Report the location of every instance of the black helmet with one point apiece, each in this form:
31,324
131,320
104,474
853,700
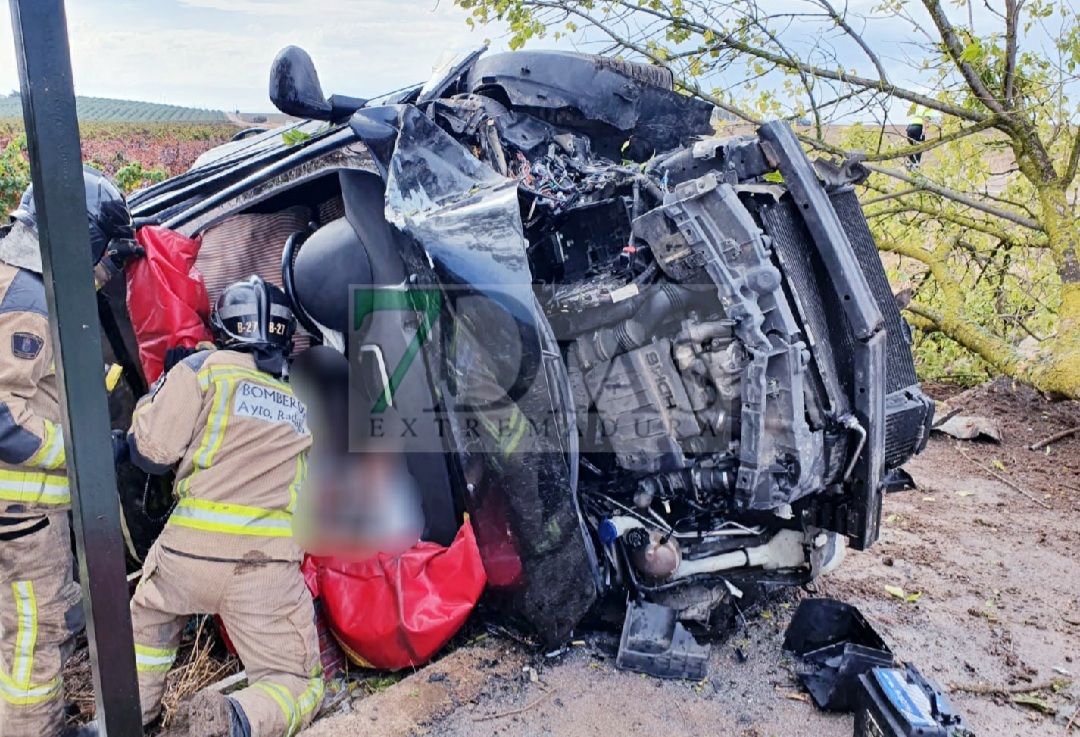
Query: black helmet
106,208
253,315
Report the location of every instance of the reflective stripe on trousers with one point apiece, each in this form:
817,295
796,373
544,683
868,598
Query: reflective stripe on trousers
33,487
16,688
295,711
154,659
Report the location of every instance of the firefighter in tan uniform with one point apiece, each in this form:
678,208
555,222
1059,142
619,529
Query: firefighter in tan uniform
241,439
40,605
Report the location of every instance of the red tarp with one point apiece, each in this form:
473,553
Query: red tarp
397,611
166,297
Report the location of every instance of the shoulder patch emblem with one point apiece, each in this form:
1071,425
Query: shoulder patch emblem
26,345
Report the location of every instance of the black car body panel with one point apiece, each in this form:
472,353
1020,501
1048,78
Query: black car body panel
713,351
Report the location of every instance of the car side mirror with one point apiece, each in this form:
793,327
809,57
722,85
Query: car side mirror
295,88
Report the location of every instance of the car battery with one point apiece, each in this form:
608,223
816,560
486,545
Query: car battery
901,703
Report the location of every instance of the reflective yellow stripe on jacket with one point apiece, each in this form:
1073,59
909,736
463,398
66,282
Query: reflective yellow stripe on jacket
233,519
33,487
223,378
50,455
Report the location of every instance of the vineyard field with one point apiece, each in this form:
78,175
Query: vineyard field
133,154
103,109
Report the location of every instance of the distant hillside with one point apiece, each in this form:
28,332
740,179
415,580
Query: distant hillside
127,111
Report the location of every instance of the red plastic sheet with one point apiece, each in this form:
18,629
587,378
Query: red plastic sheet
166,297
397,611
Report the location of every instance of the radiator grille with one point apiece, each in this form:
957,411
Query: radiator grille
900,369
830,341
817,300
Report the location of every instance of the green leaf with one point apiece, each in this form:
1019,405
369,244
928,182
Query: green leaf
911,598
973,52
895,591
1033,702
294,136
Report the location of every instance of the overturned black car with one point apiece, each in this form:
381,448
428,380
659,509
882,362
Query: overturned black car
645,361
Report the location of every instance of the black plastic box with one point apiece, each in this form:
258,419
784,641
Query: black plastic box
901,703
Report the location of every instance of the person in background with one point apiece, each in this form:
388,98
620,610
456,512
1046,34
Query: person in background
40,604
916,133
241,439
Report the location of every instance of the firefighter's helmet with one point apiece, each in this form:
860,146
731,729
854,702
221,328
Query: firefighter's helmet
106,209
252,315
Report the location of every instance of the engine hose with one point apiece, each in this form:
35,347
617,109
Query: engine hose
647,310
651,187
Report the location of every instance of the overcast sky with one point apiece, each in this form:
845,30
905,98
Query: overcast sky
217,53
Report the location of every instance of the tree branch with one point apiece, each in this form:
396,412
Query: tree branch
891,196
940,141
957,197
1012,12
806,83
954,218
1074,161
725,39
856,37
992,349
956,51
915,253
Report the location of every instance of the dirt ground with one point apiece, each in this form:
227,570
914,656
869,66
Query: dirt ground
995,565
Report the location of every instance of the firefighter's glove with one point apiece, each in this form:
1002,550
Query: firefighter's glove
120,450
122,250
178,353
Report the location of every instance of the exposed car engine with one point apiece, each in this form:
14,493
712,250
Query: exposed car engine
712,328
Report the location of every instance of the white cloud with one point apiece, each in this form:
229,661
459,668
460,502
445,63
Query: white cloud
217,53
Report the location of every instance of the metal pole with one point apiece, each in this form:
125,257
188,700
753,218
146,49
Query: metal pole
52,134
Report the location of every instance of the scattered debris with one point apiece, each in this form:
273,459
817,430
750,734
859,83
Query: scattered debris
899,593
837,642
984,689
1004,480
654,642
1054,438
1033,702
970,427
514,712
948,416
898,480
226,683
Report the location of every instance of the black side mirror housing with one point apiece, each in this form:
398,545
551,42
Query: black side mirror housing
295,88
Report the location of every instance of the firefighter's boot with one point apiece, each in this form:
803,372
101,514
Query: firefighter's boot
209,714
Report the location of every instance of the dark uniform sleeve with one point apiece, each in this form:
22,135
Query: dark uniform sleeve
25,357
164,422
